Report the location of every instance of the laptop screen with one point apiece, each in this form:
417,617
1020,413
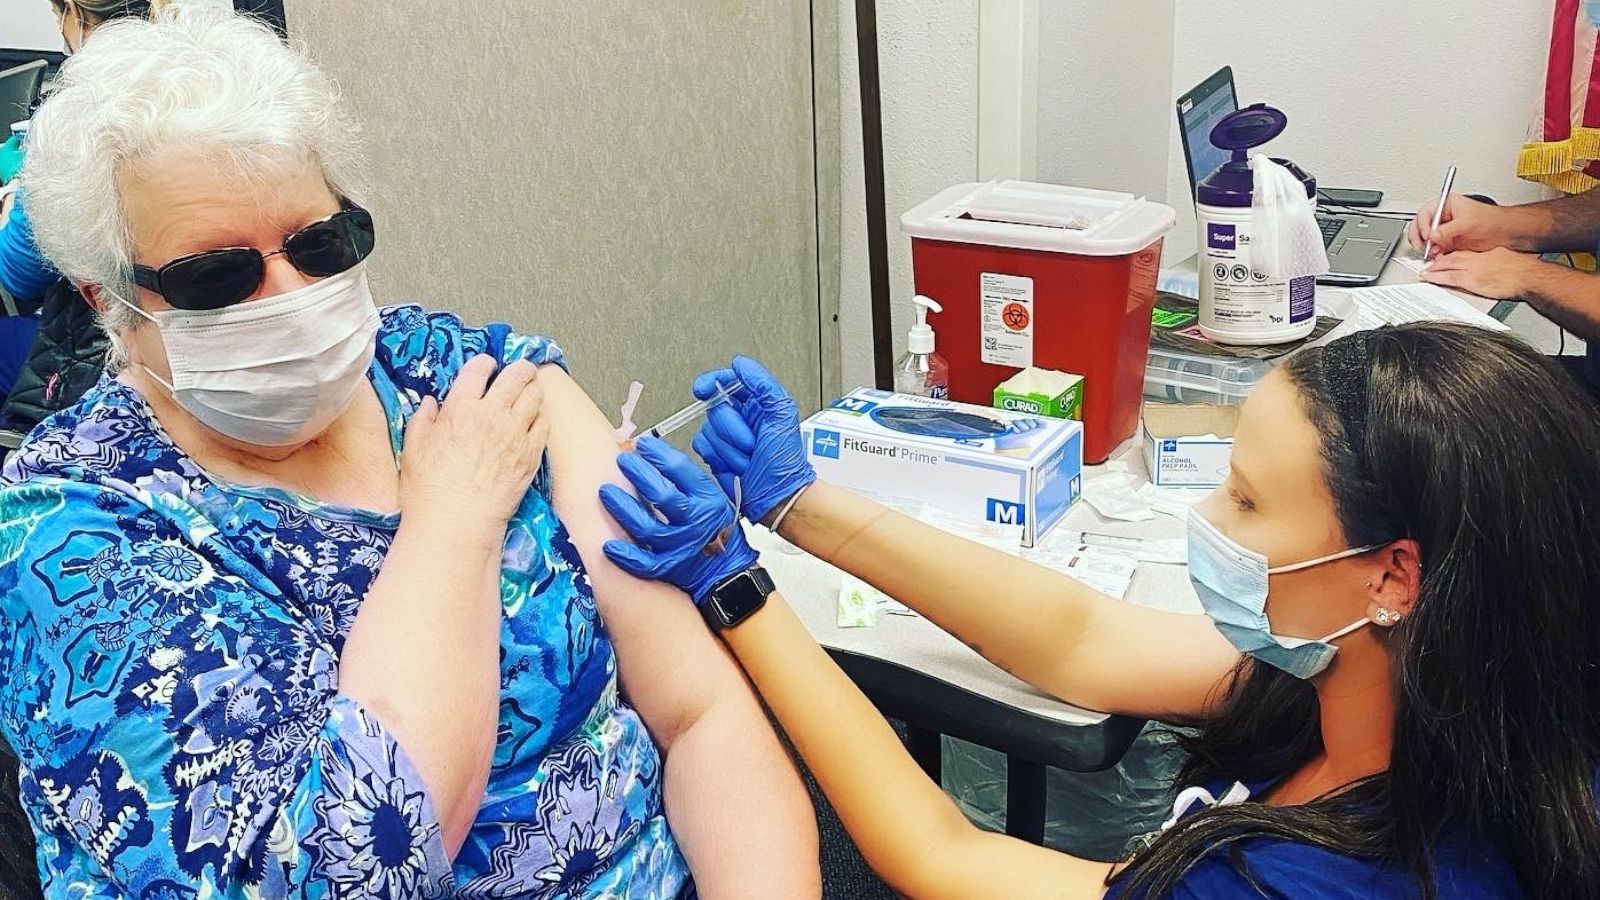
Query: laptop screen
1198,112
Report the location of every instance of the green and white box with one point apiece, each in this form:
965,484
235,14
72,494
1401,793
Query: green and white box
1042,392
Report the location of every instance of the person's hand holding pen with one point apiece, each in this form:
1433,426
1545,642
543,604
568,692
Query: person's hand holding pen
1466,224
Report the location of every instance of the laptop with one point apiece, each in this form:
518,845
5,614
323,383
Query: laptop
19,90
1358,246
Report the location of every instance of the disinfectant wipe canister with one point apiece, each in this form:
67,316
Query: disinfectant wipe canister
1260,248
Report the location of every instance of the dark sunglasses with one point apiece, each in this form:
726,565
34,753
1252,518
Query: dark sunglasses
216,278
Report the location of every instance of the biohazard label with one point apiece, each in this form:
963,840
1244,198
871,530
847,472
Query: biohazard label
1006,304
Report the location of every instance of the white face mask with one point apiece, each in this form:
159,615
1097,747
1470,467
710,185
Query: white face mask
272,372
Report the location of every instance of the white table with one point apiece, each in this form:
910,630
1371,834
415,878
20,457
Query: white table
915,672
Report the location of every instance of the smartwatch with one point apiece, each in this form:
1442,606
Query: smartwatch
737,598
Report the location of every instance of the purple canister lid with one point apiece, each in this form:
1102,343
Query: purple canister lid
1232,184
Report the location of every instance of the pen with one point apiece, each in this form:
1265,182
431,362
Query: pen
1438,211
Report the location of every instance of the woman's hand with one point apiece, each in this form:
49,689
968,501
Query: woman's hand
754,437
685,531
471,459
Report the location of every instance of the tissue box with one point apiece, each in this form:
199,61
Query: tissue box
1042,392
1188,445
970,461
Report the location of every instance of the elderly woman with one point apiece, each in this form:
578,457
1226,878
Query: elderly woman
291,607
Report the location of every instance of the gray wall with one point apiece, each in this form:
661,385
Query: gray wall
638,180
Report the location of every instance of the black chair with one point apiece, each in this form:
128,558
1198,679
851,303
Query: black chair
19,869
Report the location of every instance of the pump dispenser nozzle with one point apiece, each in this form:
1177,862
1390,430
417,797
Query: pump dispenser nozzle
921,339
921,371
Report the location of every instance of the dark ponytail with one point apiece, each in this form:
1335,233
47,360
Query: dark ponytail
1488,457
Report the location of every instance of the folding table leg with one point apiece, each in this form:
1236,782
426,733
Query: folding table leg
1025,800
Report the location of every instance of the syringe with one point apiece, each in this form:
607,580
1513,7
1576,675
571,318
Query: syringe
694,410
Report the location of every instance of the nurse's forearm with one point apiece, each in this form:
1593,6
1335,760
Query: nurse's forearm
1041,626
1023,618
910,832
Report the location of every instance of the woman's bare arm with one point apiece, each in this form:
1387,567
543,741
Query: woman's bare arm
1055,633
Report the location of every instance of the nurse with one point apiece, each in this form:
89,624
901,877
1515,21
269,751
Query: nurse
1395,686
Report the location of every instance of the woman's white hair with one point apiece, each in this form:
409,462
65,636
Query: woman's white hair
197,80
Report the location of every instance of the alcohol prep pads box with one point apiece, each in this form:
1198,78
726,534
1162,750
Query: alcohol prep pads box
973,462
1189,445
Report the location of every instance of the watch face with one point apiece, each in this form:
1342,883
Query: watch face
738,598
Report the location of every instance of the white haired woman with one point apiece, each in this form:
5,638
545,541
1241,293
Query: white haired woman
290,605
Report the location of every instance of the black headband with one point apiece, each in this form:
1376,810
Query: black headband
1345,367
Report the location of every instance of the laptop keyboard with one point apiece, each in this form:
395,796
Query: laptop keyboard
1330,229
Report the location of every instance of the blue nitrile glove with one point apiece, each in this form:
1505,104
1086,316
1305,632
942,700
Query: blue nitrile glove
10,158
697,515
754,437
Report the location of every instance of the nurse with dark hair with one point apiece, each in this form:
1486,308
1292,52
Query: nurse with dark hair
1395,687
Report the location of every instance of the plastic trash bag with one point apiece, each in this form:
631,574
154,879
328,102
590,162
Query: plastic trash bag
1092,816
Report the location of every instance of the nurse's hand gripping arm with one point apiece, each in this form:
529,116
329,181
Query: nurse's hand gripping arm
733,798
911,833
1041,626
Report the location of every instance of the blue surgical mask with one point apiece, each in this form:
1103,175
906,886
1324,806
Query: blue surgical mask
1232,583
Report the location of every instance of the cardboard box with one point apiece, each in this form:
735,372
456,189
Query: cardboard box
970,461
1042,392
1189,445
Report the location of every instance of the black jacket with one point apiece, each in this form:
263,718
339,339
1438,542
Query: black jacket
67,358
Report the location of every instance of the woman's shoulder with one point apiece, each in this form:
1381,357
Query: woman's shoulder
421,350
1464,866
1464,869
108,434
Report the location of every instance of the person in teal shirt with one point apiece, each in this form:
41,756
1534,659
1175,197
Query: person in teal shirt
24,272
10,158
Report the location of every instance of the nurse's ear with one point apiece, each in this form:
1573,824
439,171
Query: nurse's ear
1396,580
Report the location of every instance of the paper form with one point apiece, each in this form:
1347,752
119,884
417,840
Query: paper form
1414,263
1397,304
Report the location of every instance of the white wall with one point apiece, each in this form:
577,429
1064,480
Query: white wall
28,25
928,61
1379,94
1104,94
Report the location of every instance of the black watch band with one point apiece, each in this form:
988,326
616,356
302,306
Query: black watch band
737,598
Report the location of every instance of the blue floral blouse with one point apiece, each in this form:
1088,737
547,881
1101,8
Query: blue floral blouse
169,668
